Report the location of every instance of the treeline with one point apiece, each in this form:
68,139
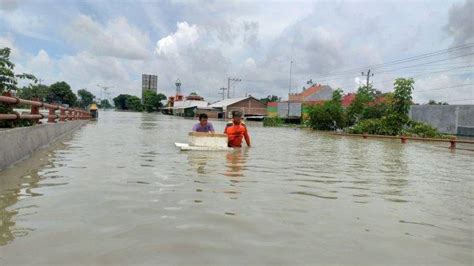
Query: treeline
59,93
151,102
371,112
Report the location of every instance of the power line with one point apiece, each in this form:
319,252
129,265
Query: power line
399,61
444,88
463,100
427,63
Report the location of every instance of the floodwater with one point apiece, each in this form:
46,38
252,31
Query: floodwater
118,192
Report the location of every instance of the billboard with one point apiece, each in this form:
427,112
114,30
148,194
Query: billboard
149,82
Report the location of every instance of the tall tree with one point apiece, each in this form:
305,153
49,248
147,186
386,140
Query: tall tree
8,78
270,98
134,103
85,98
60,92
120,101
152,101
37,91
397,113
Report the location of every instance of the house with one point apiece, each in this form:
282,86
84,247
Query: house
249,106
347,99
315,93
188,108
185,106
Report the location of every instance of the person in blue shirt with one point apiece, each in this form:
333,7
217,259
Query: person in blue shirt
203,125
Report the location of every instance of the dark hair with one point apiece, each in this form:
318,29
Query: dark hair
202,116
236,114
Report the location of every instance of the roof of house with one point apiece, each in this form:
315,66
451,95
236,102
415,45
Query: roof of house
347,99
227,102
314,89
189,103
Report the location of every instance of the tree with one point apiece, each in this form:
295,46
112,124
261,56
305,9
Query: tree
105,104
397,113
134,103
8,78
120,101
152,101
33,92
60,92
328,116
270,98
85,98
8,82
433,102
364,95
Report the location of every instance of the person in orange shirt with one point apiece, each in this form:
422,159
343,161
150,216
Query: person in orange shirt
236,131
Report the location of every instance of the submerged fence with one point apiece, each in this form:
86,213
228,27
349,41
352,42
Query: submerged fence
404,139
65,113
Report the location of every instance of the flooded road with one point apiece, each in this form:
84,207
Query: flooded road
117,191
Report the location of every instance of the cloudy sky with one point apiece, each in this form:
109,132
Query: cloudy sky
111,43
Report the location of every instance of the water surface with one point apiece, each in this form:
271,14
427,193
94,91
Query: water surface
117,191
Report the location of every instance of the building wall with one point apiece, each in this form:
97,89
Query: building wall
210,113
272,109
248,107
452,119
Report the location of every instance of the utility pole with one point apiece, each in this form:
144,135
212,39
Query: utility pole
223,92
106,94
40,80
368,76
228,85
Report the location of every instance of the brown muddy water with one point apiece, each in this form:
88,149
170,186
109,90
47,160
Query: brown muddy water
119,192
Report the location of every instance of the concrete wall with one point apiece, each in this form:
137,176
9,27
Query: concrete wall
19,143
452,119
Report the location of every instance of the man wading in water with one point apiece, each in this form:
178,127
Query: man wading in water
203,125
236,131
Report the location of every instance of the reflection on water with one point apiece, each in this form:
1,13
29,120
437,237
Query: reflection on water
119,192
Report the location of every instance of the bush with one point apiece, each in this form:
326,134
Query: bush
370,126
272,122
422,130
328,116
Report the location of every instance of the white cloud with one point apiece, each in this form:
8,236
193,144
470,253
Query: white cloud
117,38
184,37
20,22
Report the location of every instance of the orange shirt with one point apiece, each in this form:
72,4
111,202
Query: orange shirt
235,134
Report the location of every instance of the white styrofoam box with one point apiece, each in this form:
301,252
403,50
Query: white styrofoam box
207,140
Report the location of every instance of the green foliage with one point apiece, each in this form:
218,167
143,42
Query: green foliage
120,101
105,104
374,111
273,121
270,98
85,98
328,116
133,103
364,95
33,92
397,114
60,92
422,130
433,102
8,78
152,101
128,102
370,126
